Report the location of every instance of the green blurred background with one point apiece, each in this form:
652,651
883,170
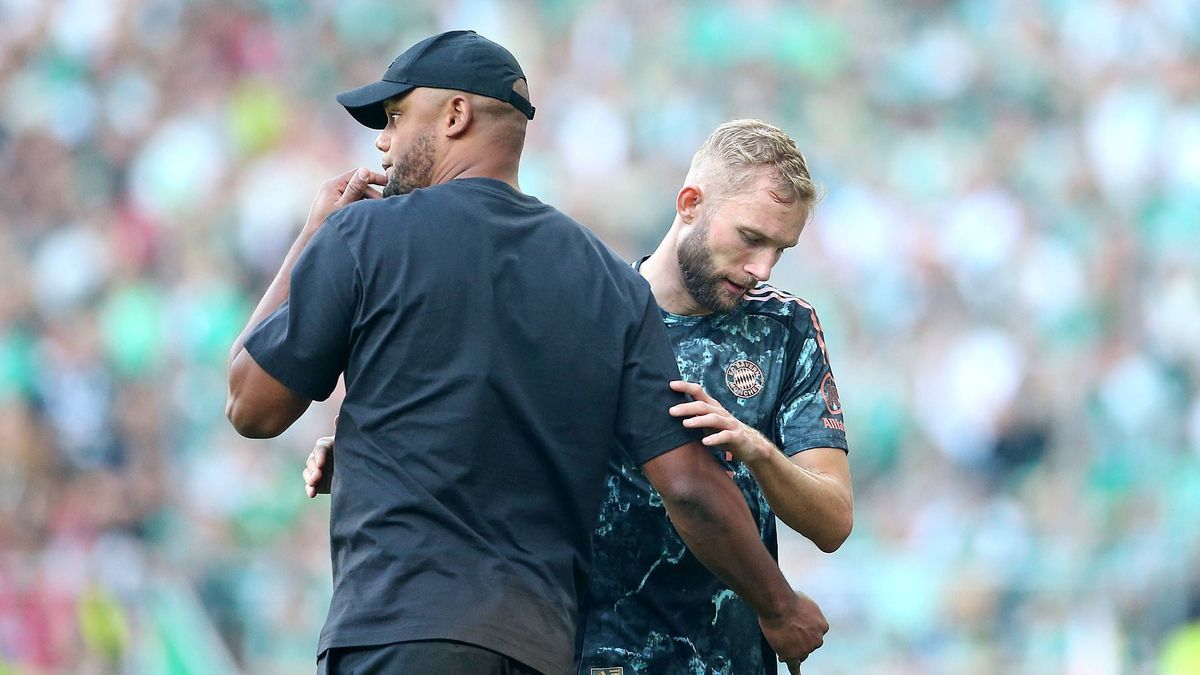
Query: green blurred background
1006,263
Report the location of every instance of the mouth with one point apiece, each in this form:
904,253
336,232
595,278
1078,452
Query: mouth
736,290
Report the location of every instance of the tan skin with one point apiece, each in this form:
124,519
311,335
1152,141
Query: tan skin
467,139
747,233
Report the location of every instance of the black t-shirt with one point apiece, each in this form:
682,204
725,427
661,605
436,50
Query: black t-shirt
495,354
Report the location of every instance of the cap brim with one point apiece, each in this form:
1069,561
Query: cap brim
366,103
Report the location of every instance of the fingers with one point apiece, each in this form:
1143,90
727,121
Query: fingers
311,477
691,409
726,437
313,467
316,458
356,187
374,178
793,667
711,421
694,390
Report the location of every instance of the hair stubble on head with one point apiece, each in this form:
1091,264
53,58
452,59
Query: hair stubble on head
504,123
739,152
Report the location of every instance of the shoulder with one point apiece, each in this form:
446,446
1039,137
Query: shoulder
789,309
373,226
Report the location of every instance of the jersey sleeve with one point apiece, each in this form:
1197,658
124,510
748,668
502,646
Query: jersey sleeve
810,412
305,342
644,426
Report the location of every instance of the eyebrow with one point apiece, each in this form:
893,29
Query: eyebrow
779,243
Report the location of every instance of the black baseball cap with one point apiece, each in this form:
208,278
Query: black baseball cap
458,59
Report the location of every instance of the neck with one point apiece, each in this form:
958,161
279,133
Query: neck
495,164
661,269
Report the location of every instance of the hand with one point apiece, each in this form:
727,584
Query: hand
741,440
318,470
796,633
341,190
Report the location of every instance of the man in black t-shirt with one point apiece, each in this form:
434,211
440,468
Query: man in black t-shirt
495,353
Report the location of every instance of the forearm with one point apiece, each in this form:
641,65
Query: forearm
276,293
258,406
818,505
335,193
711,516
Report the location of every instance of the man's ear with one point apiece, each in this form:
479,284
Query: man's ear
457,115
687,203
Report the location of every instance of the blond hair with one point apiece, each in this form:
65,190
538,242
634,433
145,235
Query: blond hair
740,151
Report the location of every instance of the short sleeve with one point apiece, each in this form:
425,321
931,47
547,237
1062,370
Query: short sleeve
644,426
810,412
305,342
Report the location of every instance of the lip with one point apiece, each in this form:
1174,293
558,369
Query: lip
733,288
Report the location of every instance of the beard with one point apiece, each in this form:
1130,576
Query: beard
700,277
414,170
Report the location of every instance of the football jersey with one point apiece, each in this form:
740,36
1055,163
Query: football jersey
653,607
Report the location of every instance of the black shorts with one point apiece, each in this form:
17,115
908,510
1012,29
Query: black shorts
420,657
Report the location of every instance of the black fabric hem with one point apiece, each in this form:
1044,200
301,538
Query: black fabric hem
660,444
287,374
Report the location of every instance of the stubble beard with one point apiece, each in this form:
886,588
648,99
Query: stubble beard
414,170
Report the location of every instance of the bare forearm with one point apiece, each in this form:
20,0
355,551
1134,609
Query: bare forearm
335,193
818,505
711,516
277,292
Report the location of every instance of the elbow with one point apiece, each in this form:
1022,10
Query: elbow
686,501
838,531
248,423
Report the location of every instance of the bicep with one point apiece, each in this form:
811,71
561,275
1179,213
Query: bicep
675,469
259,405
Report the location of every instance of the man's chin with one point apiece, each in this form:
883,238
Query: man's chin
722,302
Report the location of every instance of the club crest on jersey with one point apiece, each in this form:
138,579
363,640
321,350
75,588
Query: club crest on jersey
744,378
830,394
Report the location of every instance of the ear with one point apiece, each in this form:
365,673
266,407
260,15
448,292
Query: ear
687,203
457,115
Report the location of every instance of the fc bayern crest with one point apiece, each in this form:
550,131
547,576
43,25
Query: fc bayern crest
744,378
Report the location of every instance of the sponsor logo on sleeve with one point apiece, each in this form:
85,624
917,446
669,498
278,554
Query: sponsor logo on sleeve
607,671
829,392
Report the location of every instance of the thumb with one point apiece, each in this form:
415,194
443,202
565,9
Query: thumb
357,185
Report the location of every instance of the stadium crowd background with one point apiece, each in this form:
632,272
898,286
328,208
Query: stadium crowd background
1007,266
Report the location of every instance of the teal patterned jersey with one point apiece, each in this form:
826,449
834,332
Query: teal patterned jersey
654,609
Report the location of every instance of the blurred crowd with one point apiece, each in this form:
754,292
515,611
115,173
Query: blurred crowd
1006,263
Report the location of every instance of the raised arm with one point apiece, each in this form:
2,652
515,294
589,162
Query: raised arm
259,406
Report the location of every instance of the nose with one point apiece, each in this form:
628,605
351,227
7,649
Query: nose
760,266
381,142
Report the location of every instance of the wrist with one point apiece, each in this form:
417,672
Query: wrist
780,602
757,450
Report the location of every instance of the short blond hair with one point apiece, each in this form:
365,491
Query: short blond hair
740,151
